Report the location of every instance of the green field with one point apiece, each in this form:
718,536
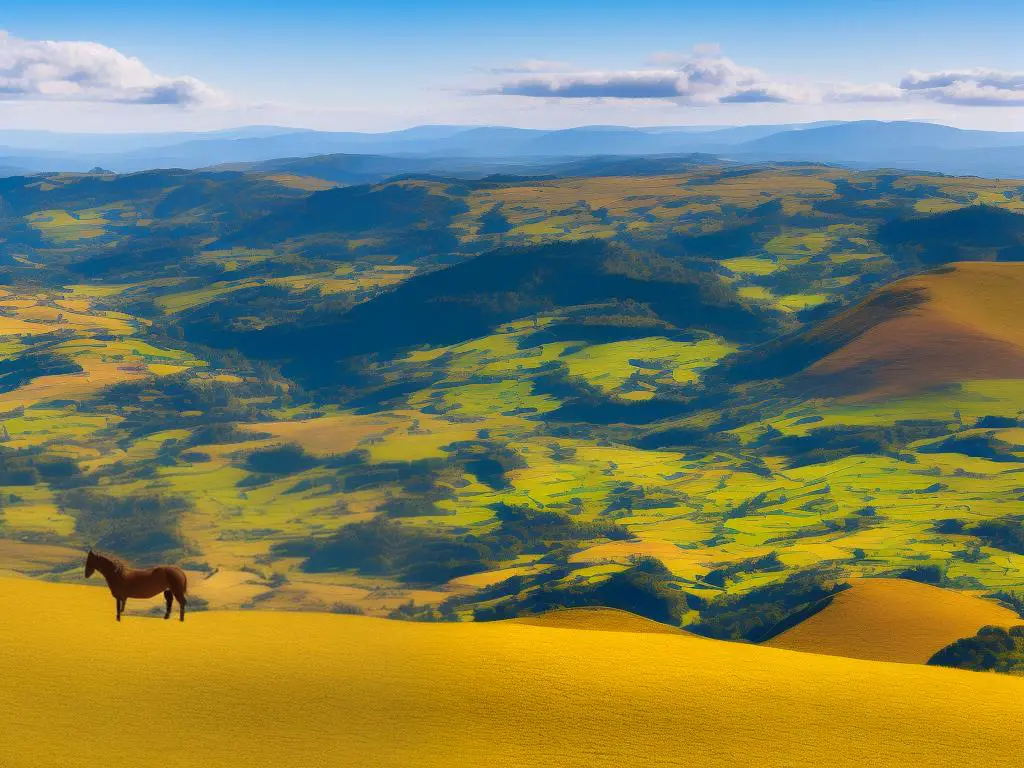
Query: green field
243,401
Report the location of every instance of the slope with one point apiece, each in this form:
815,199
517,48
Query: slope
971,233
893,620
958,324
873,138
602,619
248,688
474,297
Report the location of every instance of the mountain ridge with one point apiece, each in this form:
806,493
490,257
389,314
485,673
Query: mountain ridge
899,144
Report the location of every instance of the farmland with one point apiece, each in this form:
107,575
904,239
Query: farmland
450,399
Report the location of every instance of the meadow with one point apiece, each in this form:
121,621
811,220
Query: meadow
239,688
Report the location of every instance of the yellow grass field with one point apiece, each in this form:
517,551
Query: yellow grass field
598,620
893,620
284,689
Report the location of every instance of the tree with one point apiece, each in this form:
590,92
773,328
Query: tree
494,222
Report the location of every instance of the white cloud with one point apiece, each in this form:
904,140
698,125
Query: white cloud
700,78
644,84
705,77
968,87
45,70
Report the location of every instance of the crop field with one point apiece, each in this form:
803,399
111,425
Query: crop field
319,687
62,227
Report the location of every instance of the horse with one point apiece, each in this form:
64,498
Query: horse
125,582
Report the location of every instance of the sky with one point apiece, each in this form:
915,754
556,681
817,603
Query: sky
113,66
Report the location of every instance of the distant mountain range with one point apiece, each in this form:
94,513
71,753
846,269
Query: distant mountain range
483,150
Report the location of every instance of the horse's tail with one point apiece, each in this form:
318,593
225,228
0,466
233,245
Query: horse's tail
184,579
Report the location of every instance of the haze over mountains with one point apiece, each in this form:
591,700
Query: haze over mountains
474,150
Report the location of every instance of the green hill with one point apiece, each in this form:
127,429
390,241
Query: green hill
710,393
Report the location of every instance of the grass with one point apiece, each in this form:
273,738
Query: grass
294,181
31,510
486,400
361,284
179,302
795,302
688,504
752,265
391,436
103,342
23,557
356,691
610,366
597,619
61,226
893,620
972,399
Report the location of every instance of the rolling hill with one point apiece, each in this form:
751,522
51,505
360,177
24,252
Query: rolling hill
472,298
971,233
598,619
286,689
438,398
957,324
893,620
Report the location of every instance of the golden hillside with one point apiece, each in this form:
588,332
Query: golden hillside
893,620
284,689
931,329
598,619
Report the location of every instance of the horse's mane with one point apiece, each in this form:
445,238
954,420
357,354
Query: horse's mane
119,565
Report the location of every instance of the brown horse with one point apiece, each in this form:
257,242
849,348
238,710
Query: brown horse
125,582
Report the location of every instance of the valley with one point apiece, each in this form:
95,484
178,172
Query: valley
528,385
704,391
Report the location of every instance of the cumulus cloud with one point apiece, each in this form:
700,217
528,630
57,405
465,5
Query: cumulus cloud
46,70
702,77
648,84
967,87
705,77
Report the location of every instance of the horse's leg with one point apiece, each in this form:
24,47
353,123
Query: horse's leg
117,600
169,597
182,602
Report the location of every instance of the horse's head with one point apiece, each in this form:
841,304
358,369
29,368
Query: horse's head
90,564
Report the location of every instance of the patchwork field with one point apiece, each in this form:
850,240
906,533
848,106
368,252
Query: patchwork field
719,393
238,689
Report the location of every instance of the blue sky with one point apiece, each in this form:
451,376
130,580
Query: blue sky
389,64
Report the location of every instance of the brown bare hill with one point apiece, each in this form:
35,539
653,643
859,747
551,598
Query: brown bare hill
956,324
893,620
